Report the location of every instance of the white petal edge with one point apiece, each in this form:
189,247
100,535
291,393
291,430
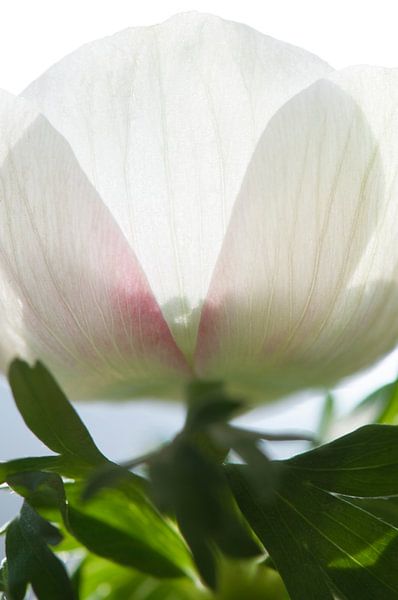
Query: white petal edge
72,292
305,288
164,120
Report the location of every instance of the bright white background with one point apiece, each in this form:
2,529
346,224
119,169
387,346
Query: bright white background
34,34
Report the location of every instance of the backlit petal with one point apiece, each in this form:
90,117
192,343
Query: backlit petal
164,121
72,293
305,288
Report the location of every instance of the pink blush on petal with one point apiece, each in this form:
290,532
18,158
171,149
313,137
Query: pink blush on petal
138,319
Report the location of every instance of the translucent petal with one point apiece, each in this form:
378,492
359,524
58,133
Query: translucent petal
305,288
72,292
164,121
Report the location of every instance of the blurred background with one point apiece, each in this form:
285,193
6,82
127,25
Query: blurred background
33,35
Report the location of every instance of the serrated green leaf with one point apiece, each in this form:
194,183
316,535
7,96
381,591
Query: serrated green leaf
30,561
323,540
49,415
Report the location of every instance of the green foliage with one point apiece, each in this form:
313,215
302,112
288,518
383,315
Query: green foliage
245,579
187,483
47,412
129,533
385,402
30,560
324,523
99,578
122,525
3,577
38,463
239,580
319,536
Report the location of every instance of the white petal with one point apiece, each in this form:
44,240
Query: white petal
164,121
73,293
305,289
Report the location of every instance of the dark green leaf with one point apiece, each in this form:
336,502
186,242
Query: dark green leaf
194,487
262,472
363,463
42,491
49,415
3,576
323,540
38,463
290,555
110,475
30,560
385,509
119,524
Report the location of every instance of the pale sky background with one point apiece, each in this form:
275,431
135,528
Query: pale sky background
35,34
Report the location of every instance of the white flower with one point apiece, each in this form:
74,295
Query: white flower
195,199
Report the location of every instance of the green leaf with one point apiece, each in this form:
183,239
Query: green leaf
122,525
385,509
302,577
111,525
130,533
321,537
363,463
30,560
44,491
193,487
249,580
385,401
98,576
49,415
23,465
3,576
389,412
261,471
238,581
110,475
